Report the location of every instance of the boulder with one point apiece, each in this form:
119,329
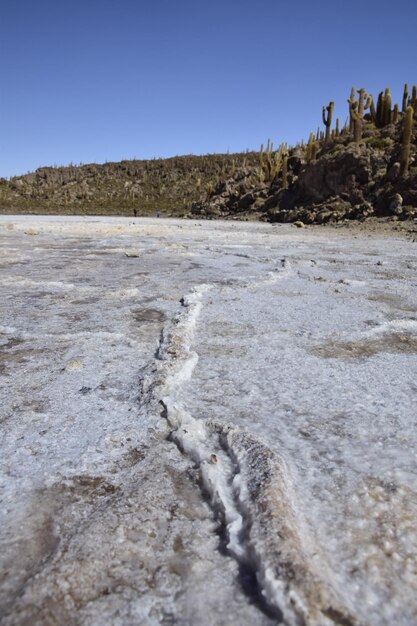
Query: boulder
343,171
396,204
245,201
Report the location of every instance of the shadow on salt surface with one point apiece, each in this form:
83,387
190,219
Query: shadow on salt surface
392,300
148,315
404,343
228,352
38,538
224,328
13,352
89,300
12,342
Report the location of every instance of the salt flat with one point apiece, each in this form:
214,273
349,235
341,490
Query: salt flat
206,423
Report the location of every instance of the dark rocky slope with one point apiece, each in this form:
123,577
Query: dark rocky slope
346,175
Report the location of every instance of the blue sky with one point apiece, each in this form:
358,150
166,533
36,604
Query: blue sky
96,80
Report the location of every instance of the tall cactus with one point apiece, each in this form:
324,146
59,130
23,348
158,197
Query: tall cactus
413,100
351,99
269,162
367,103
356,121
277,162
284,183
361,101
405,151
261,155
387,114
405,99
327,121
357,110
377,115
383,115
311,149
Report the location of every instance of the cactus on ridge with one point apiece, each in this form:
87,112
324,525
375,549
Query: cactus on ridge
311,149
327,121
377,115
361,101
387,114
406,143
357,110
356,121
413,100
405,99
284,183
351,99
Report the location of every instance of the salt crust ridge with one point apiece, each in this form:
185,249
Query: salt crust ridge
249,486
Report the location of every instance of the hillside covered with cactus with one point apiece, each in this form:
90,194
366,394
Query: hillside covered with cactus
168,185
367,168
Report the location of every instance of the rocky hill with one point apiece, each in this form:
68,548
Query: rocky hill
368,168
170,185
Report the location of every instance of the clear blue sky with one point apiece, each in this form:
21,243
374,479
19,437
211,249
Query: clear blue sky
96,80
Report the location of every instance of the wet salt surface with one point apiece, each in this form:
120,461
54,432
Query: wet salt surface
304,340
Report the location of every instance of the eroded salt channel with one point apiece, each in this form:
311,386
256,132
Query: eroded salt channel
206,423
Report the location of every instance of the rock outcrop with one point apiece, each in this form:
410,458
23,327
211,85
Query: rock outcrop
346,180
